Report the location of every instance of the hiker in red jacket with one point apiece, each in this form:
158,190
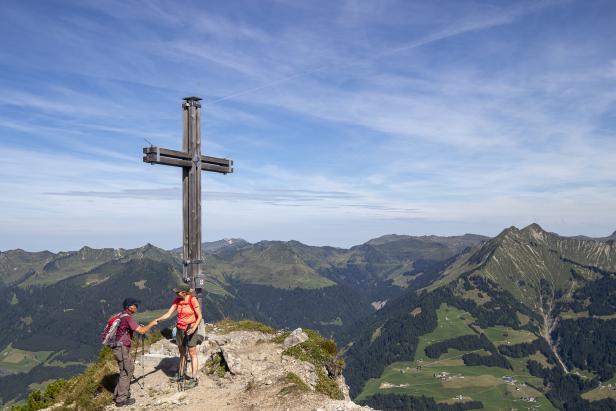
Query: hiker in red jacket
121,350
189,318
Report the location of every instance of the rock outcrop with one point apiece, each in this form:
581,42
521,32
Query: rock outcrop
242,370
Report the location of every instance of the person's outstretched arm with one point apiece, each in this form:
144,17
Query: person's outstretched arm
168,314
142,329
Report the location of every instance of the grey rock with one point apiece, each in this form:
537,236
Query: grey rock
233,361
298,336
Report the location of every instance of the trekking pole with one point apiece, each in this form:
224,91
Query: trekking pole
179,381
185,343
142,360
182,376
141,384
181,371
182,379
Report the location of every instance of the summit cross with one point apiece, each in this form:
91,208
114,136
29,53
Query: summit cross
192,163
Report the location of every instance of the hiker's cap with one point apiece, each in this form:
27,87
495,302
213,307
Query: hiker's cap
130,301
181,287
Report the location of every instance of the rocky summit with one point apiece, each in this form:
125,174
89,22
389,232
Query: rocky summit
245,369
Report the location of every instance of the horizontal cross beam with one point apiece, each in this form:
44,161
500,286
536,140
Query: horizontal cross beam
183,155
156,155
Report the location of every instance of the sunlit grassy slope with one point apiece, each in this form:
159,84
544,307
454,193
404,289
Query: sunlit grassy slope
480,383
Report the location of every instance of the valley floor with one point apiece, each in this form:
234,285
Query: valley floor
448,380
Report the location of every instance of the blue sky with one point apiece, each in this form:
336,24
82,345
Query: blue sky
346,119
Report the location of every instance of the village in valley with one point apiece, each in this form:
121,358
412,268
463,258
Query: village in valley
449,380
444,376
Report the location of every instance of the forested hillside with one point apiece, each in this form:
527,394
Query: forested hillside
56,304
527,318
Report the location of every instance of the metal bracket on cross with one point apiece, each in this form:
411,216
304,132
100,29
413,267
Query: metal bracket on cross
157,155
188,262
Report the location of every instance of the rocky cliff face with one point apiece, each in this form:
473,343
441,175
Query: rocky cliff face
246,370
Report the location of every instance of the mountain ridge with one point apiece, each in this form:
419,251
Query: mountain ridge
44,263
556,291
285,284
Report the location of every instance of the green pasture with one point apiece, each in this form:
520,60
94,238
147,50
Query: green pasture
479,383
452,323
476,295
600,393
583,373
53,361
520,370
336,321
215,288
571,315
17,360
501,335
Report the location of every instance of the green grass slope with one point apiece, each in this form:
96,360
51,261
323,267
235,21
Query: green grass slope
17,265
521,261
271,263
458,383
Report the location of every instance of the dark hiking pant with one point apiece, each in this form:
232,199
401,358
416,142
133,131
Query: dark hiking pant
126,365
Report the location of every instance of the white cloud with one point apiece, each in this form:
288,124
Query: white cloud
410,134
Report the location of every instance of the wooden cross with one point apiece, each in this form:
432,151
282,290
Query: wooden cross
192,162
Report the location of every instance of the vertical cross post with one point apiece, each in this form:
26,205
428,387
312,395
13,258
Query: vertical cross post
192,163
191,193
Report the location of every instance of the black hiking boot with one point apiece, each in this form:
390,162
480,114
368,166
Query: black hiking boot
125,403
191,383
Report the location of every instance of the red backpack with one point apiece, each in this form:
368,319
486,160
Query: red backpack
109,334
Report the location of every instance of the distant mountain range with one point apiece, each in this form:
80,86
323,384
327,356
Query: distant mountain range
526,302
56,303
583,237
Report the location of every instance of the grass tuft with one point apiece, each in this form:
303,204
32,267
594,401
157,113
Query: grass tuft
243,325
280,337
90,391
328,386
216,365
294,384
320,352
41,399
329,346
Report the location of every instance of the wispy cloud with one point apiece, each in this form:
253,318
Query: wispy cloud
367,117
274,197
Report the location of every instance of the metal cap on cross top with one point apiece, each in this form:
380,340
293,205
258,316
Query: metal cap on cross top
192,163
193,100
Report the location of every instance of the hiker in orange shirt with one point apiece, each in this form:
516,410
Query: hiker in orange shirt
189,318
